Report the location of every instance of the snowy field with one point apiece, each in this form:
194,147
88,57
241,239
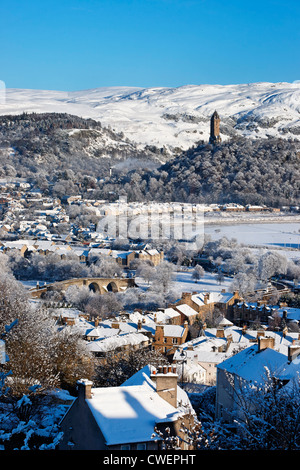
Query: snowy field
184,282
283,236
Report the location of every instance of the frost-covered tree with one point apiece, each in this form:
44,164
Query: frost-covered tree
268,415
13,300
104,266
78,297
103,305
70,359
198,272
117,368
29,349
293,271
244,283
135,297
271,264
268,418
164,276
28,421
146,271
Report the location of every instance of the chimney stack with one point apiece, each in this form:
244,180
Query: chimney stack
186,296
166,383
293,351
265,342
84,389
260,333
229,341
220,333
284,332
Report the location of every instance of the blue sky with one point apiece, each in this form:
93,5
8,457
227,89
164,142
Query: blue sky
74,44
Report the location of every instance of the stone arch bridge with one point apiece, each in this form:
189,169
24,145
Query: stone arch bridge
96,284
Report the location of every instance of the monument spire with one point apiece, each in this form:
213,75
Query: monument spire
215,129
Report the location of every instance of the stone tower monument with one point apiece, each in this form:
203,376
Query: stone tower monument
215,129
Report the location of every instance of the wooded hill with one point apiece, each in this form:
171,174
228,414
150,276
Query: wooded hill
245,171
79,154
47,147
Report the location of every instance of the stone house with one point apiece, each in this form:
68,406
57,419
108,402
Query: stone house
125,417
187,313
153,256
248,313
167,315
205,303
124,259
249,366
118,344
168,337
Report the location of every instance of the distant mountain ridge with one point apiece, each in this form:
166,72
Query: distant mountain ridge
174,117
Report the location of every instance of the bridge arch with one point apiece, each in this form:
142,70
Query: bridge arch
99,285
112,287
94,287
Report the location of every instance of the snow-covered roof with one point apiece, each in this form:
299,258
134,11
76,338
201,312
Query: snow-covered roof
67,312
186,310
208,347
171,312
213,357
174,331
251,364
129,413
211,297
163,316
225,322
291,371
142,377
292,312
153,252
113,342
101,332
238,336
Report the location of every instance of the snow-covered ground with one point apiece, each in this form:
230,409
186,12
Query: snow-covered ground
184,282
282,236
176,117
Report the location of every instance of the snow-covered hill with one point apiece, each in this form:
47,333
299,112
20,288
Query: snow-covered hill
174,117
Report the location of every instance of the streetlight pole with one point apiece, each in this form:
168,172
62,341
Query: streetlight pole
183,356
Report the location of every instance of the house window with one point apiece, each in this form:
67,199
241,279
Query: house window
174,340
125,447
141,447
